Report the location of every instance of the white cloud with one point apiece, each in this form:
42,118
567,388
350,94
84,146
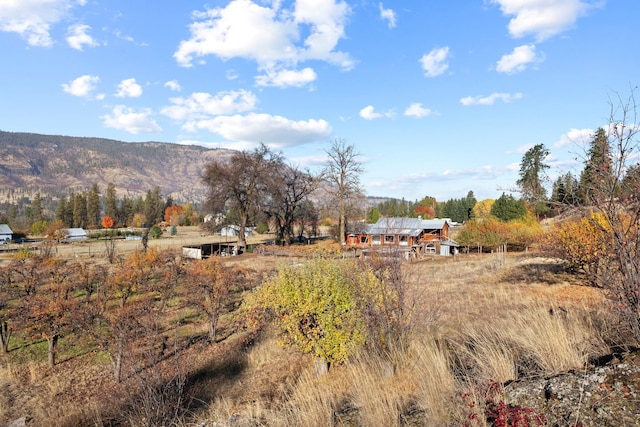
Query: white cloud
417,110
287,78
268,35
491,99
129,89
276,131
81,86
388,15
173,85
369,113
435,62
77,37
127,119
202,105
518,60
578,137
543,18
32,19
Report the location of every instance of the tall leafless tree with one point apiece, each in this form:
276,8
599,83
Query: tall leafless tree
241,184
614,194
342,171
289,191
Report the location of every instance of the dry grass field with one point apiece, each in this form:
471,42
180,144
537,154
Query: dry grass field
475,319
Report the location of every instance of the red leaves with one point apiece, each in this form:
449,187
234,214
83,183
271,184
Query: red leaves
107,222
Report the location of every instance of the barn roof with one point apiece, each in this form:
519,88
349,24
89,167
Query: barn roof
397,226
433,224
76,232
5,229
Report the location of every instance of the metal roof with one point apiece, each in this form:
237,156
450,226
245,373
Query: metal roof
433,224
4,229
76,232
397,226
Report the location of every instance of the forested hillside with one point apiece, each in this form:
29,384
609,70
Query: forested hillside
55,165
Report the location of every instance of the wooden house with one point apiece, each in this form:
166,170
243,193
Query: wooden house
415,236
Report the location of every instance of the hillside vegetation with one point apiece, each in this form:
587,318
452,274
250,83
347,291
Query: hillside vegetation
55,165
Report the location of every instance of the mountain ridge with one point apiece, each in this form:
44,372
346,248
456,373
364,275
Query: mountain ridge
57,165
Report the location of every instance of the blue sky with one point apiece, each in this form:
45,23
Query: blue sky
439,97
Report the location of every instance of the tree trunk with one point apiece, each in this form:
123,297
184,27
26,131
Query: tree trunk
341,222
213,329
53,343
145,239
242,242
5,335
117,362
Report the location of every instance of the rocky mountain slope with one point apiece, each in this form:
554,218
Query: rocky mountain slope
56,164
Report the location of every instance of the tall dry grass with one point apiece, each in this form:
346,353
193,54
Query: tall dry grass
475,319
481,328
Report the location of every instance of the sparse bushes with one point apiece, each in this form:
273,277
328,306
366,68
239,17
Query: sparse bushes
581,243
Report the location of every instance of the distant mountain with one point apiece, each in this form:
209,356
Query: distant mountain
56,165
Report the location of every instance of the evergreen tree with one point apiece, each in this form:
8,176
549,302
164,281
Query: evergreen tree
154,206
61,211
565,190
36,212
93,207
558,191
127,211
110,202
507,208
80,218
68,211
470,204
597,175
631,183
533,176
373,215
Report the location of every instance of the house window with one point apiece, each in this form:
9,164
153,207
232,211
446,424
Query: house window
404,240
363,239
430,248
375,240
389,239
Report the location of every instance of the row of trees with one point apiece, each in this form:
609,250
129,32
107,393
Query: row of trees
459,210
258,186
117,309
85,209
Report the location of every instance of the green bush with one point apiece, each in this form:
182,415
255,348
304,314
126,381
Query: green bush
155,232
318,307
262,228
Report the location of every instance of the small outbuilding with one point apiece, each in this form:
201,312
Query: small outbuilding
6,234
234,231
206,250
74,235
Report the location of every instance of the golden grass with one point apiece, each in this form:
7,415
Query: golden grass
476,319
